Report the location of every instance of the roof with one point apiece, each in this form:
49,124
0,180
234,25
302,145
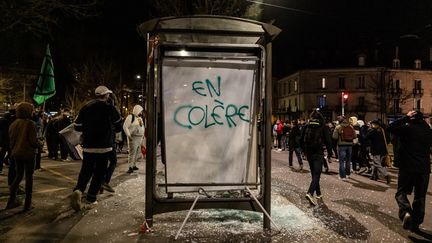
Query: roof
209,29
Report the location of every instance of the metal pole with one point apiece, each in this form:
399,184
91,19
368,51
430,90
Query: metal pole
187,216
342,104
262,208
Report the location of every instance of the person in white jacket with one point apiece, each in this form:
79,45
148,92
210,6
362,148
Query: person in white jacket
134,129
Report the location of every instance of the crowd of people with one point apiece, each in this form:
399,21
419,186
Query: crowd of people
25,132
362,148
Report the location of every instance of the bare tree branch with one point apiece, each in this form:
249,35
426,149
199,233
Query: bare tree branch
36,16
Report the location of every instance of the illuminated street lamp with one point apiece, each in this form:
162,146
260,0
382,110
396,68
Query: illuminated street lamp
344,101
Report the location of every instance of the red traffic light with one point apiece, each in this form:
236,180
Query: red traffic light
345,96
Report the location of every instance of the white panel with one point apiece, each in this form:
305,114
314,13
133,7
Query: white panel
209,135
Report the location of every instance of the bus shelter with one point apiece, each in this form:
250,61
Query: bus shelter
209,109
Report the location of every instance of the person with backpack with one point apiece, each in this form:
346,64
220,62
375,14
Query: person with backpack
345,134
134,128
314,135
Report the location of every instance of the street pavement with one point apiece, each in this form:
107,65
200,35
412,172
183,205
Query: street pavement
356,210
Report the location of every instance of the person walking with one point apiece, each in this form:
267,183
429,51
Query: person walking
345,134
24,145
97,121
414,167
294,145
134,128
378,150
314,135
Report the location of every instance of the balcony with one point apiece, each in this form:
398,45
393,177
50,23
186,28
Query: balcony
394,91
418,92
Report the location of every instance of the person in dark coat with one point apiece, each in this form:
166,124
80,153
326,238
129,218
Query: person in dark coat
294,145
98,121
313,136
378,150
414,167
5,122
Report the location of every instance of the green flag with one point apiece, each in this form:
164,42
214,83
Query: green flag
45,87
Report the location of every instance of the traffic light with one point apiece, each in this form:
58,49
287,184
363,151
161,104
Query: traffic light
345,98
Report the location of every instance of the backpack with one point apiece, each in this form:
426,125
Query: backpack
348,134
313,137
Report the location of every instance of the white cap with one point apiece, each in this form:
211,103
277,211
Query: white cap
102,90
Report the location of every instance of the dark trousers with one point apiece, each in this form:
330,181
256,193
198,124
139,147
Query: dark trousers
2,157
355,158
315,164
63,149
12,171
297,151
112,157
38,158
93,167
407,182
23,167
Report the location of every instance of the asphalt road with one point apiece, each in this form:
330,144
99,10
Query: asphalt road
357,210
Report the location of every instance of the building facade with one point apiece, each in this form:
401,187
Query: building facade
372,93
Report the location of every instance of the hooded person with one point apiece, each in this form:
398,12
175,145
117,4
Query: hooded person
134,129
345,134
23,147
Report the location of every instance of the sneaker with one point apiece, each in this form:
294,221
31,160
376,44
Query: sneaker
311,200
326,170
107,187
76,200
347,176
130,170
407,221
135,168
89,205
319,196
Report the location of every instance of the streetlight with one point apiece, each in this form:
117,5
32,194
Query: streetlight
344,97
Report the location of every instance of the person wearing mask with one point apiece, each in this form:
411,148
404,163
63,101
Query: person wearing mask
134,129
23,146
314,135
414,167
97,120
378,150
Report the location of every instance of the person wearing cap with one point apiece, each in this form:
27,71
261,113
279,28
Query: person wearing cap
414,167
378,150
98,121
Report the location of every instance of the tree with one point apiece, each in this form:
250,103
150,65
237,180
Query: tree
37,16
237,8
96,70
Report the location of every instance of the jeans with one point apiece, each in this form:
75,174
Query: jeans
406,183
344,160
315,164
298,155
93,167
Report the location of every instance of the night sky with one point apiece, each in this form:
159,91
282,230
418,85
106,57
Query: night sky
315,33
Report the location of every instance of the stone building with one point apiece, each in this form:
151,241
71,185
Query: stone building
373,92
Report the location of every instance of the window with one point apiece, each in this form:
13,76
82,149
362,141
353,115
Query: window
418,104
295,86
289,87
397,84
396,105
361,82
323,83
289,104
417,84
341,83
361,101
322,101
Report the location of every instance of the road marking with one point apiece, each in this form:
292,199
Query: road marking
44,191
60,174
